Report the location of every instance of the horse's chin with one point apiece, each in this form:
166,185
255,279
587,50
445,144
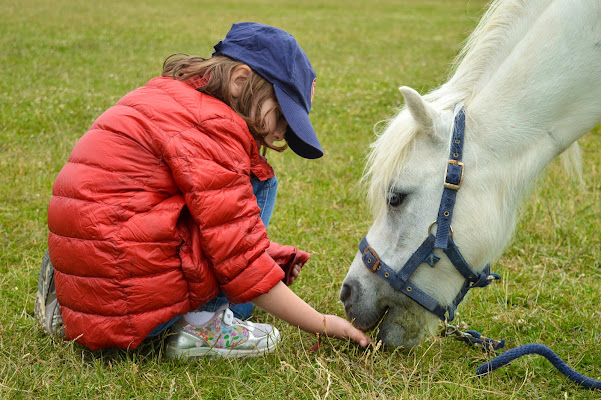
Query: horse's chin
396,332
397,320
405,327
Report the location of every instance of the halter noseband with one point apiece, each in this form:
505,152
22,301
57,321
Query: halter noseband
443,240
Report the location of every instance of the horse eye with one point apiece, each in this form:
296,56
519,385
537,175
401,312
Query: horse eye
396,199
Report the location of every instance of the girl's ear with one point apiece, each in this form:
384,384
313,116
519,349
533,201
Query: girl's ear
238,79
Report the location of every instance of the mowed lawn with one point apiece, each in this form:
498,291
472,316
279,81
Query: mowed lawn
65,61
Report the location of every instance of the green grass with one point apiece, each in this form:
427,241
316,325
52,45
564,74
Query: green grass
65,61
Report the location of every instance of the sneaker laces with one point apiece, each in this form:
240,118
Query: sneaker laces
229,319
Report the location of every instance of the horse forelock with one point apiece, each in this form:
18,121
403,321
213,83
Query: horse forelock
389,152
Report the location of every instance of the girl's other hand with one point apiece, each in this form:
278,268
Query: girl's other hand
294,272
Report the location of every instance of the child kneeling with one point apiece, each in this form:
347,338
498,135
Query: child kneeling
158,220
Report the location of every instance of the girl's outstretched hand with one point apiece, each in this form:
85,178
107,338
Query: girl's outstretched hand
283,303
340,328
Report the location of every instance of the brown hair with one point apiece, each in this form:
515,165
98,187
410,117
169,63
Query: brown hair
216,73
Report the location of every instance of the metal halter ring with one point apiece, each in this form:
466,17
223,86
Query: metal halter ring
434,223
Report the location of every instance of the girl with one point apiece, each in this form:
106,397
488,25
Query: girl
160,212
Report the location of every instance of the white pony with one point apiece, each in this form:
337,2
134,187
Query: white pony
529,80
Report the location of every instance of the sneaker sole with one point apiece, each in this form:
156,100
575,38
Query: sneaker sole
212,352
45,281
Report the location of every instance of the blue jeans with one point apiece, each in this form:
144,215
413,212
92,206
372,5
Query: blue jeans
265,192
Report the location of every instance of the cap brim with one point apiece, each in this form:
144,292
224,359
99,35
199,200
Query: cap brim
300,136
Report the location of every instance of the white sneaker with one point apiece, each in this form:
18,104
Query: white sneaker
222,336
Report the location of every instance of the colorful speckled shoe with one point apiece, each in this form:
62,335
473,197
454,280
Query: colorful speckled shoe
222,336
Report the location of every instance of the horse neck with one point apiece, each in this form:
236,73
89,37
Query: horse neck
545,92
529,104
536,64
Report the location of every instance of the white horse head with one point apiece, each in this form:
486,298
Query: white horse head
529,82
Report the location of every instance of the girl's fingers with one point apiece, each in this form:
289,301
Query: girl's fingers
361,338
294,273
341,328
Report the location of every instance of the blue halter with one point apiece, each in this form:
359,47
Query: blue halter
443,240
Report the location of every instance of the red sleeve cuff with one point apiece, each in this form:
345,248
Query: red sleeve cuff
257,279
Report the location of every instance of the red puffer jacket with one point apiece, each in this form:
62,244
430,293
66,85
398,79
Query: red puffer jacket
154,214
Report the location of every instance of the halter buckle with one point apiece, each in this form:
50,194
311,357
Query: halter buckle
434,223
453,185
371,259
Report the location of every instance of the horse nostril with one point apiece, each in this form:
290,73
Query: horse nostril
345,293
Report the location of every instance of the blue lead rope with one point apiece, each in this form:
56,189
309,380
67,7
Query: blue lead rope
492,345
533,348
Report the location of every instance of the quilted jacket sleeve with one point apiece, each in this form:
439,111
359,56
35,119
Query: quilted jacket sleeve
211,167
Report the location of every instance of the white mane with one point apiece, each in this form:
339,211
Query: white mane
503,25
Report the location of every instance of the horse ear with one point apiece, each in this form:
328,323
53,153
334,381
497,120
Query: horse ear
419,109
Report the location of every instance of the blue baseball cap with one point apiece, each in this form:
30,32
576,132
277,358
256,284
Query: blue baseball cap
276,56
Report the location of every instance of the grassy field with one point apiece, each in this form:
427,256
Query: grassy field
65,61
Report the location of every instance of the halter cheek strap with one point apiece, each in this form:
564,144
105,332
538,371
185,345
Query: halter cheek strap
443,240
452,182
